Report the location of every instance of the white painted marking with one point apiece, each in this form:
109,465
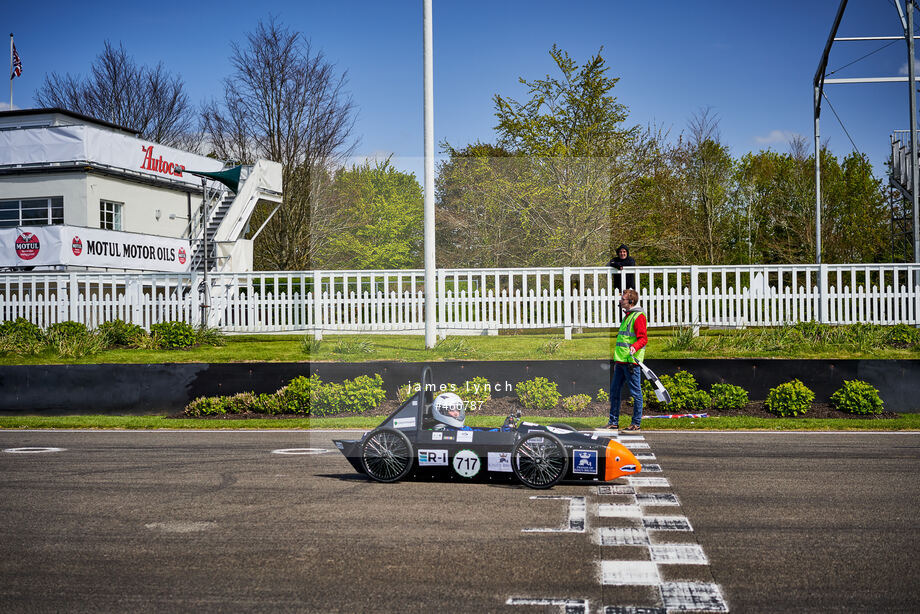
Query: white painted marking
301,451
650,468
630,573
636,445
631,438
178,526
692,597
666,523
615,536
650,482
608,510
568,606
632,609
643,457
32,450
616,490
657,499
578,514
678,554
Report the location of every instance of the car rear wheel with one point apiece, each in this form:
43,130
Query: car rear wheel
539,460
387,455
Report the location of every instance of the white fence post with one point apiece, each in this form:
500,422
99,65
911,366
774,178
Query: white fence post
196,300
73,290
695,300
567,301
317,306
822,294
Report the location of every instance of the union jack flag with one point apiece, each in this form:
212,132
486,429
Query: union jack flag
17,65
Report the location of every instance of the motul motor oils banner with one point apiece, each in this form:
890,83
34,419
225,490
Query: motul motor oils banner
91,247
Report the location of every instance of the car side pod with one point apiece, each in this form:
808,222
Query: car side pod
619,462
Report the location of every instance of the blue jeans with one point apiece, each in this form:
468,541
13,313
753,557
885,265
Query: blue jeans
622,374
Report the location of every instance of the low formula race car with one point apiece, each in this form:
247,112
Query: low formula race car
426,437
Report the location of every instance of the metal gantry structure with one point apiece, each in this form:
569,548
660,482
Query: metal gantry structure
911,191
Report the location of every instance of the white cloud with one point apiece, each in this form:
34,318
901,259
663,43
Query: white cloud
776,136
903,70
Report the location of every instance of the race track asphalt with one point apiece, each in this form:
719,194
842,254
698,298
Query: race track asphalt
215,521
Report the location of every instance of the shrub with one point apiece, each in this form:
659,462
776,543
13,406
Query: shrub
209,336
683,338
118,333
902,336
269,403
857,397
241,403
728,396
67,328
538,393
207,406
576,402
789,399
475,392
20,336
685,393
454,347
328,399
603,395
72,339
404,392
298,394
364,393
21,327
173,335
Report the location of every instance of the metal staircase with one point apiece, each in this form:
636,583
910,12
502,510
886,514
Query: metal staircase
229,213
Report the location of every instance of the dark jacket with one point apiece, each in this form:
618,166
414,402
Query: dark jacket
618,263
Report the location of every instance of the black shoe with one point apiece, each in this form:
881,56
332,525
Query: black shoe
612,426
633,427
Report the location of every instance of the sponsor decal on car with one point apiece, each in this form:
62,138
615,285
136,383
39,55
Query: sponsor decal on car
404,423
553,429
585,461
466,436
466,463
437,436
500,461
432,458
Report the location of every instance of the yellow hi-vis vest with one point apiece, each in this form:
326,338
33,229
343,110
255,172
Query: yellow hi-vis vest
625,338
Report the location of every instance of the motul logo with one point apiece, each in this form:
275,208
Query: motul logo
159,165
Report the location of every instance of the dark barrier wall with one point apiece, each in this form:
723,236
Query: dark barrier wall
167,388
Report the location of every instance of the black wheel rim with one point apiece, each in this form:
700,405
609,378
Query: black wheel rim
539,462
386,456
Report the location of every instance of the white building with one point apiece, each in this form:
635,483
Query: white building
78,193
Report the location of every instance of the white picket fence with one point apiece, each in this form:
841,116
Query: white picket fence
472,300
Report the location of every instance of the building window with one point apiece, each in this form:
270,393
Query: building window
110,215
32,212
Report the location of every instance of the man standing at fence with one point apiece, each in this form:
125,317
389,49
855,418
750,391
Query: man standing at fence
630,349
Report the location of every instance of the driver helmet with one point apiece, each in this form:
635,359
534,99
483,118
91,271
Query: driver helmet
448,409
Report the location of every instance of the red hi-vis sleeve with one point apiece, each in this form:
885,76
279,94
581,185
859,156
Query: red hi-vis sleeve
641,332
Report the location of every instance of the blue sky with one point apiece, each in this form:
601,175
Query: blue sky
751,62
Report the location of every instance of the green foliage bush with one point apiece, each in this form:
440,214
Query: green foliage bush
73,340
551,346
857,397
118,333
902,336
21,337
538,393
603,395
173,335
356,346
328,399
364,393
269,403
310,345
404,392
207,406
475,392
789,399
209,336
685,393
576,402
298,394
728,396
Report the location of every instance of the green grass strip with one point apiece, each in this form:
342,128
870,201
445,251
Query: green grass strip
904,422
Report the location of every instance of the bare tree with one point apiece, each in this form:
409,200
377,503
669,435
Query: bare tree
148,100
286,103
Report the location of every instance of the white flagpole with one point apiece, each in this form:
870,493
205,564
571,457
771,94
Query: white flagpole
11,71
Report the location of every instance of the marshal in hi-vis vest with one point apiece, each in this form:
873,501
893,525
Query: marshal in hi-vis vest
626,337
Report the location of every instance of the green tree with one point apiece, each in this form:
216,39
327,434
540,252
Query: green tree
378,215
856,219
